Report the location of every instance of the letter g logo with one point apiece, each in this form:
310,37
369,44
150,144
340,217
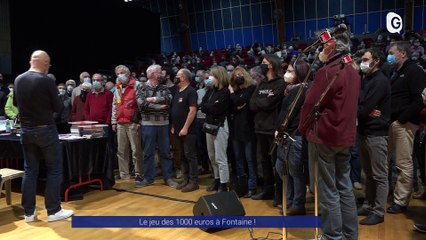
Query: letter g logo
393,23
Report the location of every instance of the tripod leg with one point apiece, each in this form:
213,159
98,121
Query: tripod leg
316,193
284,205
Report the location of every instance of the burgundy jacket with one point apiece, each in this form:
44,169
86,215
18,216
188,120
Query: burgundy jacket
337,123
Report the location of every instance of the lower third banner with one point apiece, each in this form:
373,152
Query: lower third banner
195,222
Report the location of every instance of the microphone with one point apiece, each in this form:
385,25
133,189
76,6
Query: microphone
323,38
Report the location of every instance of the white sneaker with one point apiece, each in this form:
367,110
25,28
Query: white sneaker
62,214
31,218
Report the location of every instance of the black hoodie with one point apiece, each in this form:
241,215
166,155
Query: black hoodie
265,103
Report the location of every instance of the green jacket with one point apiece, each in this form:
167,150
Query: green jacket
10,109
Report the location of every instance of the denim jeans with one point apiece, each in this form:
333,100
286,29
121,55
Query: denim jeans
216,146
41,143
337,201
264,143
188,156
244,154
295,169
152,137
355,162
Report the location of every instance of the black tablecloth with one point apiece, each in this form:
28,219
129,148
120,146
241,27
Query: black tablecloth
80,157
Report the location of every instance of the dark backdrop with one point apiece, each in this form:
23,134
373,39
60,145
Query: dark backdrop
81,35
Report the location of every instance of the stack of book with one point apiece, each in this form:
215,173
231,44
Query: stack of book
89,129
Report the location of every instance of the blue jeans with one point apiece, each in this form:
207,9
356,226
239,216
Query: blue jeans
355,162
156,136
337,201
41,143
295,168
244,153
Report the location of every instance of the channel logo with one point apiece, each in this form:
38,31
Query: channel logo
393,23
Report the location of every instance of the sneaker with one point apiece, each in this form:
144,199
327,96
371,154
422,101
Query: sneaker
372,219
420,227
62,214
138,179
143,183
190,187
396,208
171,183
31,218
178,174
122,177
357,185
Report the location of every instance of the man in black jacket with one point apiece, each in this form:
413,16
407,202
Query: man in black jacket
373,125
407,84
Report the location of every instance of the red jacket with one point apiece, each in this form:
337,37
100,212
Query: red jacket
77,111
336,124
98,107
124,104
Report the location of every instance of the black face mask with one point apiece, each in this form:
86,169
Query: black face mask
264,68
239,80
83,96
162,80
176,80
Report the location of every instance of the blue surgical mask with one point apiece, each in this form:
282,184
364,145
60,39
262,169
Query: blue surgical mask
87,80
97,85
391,59
197,79
122,78
208,82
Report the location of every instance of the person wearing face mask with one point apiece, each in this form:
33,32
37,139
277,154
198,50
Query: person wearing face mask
10,110
244,139
69,85
77,110
417,49
84,78
183,129
63,116
215,105
264,103
407,84
202,154
373,128
125,122
296,190
154,101
331,136
98,106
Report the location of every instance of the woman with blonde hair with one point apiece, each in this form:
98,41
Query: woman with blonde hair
215,105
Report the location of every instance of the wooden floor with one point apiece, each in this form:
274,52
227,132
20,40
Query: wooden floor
114,203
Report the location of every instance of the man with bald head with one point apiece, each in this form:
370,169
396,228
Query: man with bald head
37,99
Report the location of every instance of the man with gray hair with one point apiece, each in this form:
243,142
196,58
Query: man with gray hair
125,122
84,77
154,101
407,84
333,97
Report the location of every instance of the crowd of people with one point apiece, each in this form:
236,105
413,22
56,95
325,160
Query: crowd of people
331,112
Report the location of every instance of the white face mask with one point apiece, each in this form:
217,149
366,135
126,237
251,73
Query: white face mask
364,67
289,77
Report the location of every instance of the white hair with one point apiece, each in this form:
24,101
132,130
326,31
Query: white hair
151,69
